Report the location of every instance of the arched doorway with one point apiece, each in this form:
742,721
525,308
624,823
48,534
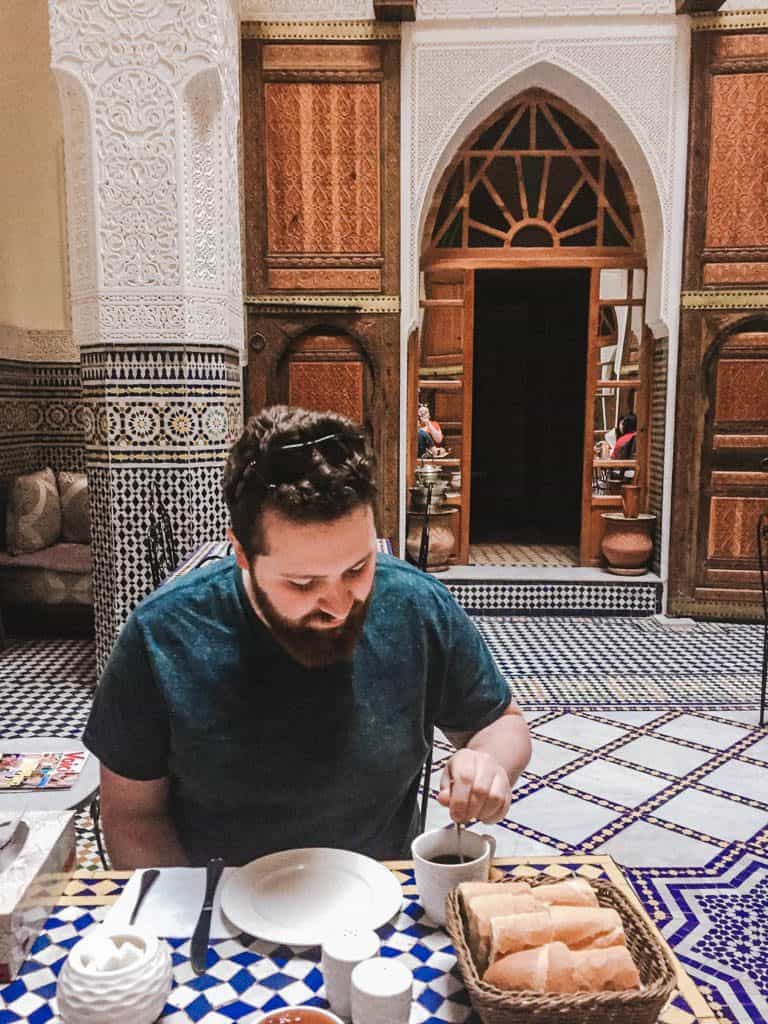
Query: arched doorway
531,342
733,484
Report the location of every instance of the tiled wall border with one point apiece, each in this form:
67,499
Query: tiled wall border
42,416
155,415
536,598
658,440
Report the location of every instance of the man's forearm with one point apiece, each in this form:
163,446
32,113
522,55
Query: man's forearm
140,842
508,741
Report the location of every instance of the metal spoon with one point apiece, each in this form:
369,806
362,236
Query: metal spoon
459,830
148,879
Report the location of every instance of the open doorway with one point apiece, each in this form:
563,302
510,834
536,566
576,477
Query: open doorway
529,381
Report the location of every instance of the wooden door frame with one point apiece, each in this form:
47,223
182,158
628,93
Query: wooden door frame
468,351
590,505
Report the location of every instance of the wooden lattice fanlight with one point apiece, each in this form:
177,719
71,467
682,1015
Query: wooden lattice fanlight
537,175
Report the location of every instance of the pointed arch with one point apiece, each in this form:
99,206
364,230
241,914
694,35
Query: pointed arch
536,174
561,81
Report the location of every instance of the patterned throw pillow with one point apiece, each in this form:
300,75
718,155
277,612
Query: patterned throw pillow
33,516
75,519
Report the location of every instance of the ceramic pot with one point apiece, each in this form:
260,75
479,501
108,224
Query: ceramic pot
427,473
441,541
630,500
627,543
133,994
419,499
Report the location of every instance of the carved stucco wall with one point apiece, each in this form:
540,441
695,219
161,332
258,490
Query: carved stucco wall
150,98
300,10
629,76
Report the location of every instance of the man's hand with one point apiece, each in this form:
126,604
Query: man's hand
475,785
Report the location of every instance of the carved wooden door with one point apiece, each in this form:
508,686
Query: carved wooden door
735,466
445,377
326,371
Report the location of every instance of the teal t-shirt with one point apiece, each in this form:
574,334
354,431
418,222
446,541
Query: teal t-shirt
264,754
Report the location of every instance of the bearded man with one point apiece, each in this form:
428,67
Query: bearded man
285,697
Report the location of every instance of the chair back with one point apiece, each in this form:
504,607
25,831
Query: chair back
425,782
162,549
762,559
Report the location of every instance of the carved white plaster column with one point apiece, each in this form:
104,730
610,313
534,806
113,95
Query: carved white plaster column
150,97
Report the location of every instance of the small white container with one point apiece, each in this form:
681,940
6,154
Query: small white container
342,952
129,987
381,992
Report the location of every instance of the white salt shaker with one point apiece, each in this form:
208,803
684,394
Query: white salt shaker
381,992
342,952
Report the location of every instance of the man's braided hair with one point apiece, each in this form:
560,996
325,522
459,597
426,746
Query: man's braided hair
322,492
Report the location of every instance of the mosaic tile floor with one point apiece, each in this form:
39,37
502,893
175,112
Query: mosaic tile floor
523,554
646,746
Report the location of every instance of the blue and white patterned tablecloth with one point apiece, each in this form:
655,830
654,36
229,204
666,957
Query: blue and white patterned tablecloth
246,975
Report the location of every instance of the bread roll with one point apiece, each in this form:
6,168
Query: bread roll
469,889
482,908
555,968
572,892
577,927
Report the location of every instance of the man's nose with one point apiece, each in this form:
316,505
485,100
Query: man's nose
337,600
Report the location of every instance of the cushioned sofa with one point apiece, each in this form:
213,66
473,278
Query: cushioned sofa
46,557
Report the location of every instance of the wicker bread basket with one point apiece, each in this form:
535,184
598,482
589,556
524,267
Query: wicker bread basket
633,1006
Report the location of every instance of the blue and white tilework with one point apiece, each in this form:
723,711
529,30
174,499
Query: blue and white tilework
245,975
646,746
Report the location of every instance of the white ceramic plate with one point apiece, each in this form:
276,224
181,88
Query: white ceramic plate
298,896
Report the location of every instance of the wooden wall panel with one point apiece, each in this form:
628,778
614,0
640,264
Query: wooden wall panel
322,159
321,142
734,273
742,390
720,477
333,386
737,210
321,136
285,343
720,482
733,527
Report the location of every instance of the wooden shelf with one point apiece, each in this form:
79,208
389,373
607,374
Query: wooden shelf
441,385
438,462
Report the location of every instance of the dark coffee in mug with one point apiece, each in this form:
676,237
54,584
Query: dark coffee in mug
448,858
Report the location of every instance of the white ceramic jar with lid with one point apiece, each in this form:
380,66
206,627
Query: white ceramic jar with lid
123,977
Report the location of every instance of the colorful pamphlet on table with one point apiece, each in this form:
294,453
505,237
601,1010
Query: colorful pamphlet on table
41,771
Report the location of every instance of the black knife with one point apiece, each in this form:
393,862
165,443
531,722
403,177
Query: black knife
202,932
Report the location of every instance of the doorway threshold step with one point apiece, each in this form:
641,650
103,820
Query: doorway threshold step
532,590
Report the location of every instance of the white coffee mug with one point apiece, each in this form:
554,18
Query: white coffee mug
342,952
435,881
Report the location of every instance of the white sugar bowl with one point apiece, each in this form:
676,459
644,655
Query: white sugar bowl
122,977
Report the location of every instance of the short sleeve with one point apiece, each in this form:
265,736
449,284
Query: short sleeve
474,691
128,729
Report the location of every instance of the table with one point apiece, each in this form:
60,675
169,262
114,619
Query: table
250,975
78,796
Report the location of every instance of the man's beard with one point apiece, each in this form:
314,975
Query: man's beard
313,648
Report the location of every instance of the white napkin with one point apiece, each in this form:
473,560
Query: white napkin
172,905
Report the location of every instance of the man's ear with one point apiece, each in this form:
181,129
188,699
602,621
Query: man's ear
237,547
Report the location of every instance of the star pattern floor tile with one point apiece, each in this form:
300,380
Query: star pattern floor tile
646,748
